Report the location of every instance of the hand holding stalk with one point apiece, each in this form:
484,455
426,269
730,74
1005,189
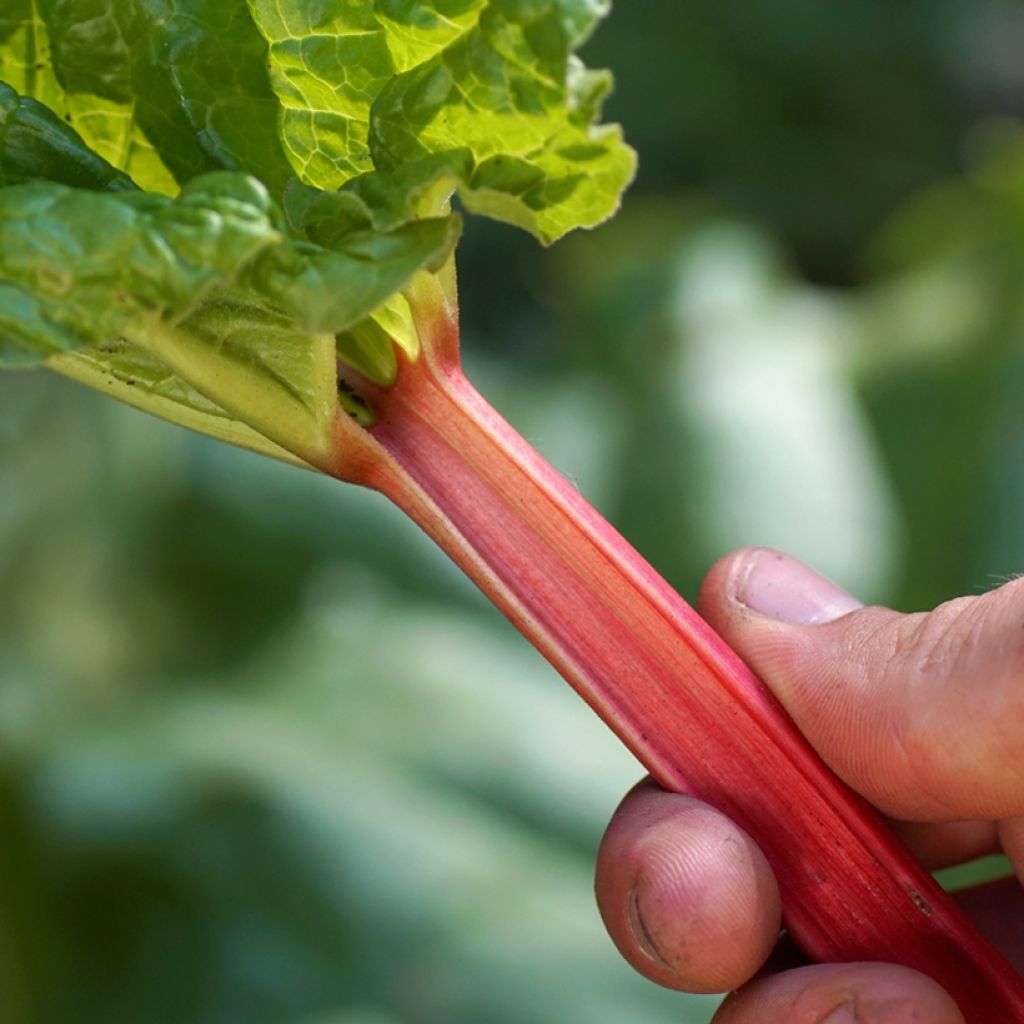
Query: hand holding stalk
917,712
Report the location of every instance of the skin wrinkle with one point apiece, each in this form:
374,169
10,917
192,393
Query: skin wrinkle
954,635
838,709
908,738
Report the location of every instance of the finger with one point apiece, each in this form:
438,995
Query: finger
997,908
945,844
923,714
686,896
1011,838
841,994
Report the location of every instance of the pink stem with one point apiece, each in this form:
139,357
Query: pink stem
679,698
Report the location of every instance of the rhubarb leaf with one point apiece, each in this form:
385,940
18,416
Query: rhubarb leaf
77,58
209,283
87,263
36,145
247,284
163,90
91,262
130,374
212,61
484,97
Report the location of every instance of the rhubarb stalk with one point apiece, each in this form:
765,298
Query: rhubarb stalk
680,699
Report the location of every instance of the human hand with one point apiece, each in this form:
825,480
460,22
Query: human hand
922,714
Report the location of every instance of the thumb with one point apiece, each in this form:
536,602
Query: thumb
922,714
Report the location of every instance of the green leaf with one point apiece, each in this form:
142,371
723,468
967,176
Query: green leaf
485,96
91,262
130,374
421,98
247,285
332,289
258,367
209,283
163,89
216,62
368,348
75,56
411,189
36,144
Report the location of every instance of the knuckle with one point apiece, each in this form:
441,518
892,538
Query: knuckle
962,638
959,671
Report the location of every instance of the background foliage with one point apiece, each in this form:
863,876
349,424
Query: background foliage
265,757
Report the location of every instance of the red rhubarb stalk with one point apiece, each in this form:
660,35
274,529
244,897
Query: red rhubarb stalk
680,699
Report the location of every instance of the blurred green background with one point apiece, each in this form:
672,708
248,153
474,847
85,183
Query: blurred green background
265,758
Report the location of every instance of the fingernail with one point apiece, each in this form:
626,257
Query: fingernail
774,584
844,1014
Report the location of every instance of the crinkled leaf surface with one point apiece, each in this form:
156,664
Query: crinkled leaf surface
88,263
487,91
209,283
42,46
37,145
163,89
397,103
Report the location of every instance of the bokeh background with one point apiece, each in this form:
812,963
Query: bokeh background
265,758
